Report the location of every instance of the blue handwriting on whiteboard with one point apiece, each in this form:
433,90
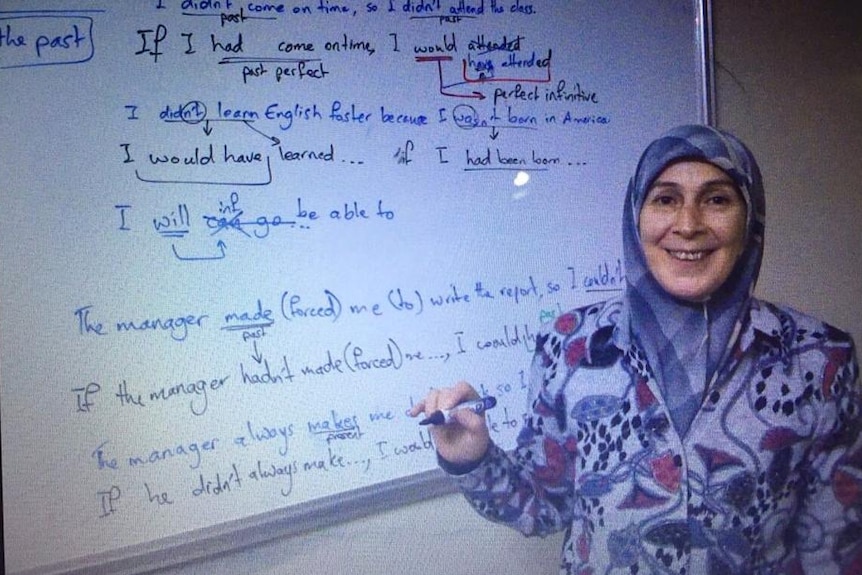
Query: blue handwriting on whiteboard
45,39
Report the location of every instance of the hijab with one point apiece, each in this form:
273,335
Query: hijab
688,343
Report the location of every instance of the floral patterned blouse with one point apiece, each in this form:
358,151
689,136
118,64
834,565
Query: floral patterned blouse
767,480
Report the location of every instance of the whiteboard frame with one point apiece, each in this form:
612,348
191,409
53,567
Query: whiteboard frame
707,63
254,530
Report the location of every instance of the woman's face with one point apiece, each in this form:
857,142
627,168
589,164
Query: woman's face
692,228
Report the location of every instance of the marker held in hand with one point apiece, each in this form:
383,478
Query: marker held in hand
444,416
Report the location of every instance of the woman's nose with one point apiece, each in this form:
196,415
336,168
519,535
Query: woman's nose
689,221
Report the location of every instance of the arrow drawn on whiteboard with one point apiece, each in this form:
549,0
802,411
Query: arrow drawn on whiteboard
275,141
208,130
494,133
440,59
256,355
220,245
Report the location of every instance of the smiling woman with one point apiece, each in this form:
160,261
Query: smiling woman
692,229
685,426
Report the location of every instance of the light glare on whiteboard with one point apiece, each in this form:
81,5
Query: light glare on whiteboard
521,179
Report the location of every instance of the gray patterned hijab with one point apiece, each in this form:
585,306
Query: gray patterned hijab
687,344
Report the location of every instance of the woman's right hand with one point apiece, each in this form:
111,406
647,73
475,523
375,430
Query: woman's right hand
463,440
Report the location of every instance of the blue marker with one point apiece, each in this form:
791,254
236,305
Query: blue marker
477,406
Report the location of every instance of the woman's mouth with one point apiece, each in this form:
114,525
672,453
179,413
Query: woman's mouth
688,255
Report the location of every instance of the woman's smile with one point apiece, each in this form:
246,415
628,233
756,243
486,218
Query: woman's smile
693,256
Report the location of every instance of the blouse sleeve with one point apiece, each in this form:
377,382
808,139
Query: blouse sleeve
830,531
532,488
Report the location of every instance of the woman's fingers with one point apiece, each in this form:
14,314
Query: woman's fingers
443,398
427,404
466,437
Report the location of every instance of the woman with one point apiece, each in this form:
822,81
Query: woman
686,426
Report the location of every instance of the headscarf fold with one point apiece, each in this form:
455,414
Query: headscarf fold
687,344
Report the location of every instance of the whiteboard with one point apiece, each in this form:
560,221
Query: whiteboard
239,239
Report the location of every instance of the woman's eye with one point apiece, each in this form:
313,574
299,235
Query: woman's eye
663,200
720,200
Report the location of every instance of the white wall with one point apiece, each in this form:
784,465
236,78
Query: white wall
789,83
789,80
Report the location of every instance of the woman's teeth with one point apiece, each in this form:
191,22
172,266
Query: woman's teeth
688,256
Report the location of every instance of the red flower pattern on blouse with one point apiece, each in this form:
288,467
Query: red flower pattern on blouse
666,472
566,324
575,351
